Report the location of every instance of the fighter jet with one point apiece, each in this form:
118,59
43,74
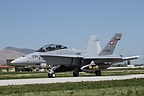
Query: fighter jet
35,58
91,60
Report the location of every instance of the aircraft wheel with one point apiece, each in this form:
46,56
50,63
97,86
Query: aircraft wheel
75,73
51,75
98,73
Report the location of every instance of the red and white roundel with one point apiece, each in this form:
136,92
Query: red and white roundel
111,42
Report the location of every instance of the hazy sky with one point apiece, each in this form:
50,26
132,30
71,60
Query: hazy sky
34,23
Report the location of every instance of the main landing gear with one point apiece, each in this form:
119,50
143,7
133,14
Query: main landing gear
51,73
98,73
76,72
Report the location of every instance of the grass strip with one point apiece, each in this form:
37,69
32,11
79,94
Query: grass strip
131,87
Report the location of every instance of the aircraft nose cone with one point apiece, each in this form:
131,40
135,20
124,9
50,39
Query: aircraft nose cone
20,60
12,62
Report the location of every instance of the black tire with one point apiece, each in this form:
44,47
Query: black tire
75,73
98,73
51,75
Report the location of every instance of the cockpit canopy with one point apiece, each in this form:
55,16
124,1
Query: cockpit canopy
51,47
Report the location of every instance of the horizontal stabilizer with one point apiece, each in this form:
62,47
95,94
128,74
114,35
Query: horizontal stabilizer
111,59
131,58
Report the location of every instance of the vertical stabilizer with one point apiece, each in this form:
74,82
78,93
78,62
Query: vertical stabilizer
93,44
109,48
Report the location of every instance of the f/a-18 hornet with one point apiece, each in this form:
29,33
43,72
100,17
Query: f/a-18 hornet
90,60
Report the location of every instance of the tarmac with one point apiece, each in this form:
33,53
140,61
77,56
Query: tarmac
66,79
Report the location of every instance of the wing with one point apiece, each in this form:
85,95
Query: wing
54,59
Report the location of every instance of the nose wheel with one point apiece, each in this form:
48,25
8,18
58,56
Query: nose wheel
51,75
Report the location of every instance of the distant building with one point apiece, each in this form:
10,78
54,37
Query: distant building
6,68
8,61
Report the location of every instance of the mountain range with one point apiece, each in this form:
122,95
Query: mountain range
12,53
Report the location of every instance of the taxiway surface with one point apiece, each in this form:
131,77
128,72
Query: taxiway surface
66,79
